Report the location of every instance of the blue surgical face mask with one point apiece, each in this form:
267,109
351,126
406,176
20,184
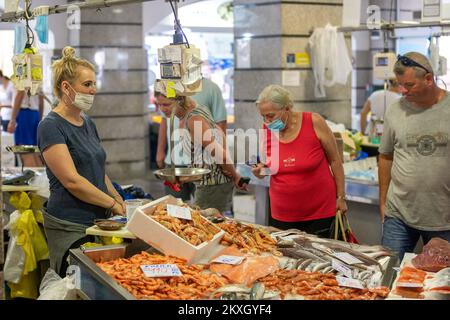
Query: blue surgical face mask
42,28
276,125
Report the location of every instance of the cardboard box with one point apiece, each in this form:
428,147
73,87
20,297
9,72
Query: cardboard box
143,226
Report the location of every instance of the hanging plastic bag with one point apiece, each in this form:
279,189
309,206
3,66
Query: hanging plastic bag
15,256
53,287
27,286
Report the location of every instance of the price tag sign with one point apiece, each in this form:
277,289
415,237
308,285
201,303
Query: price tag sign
233,260
350,283
171,93
161,270
179,212
347,258
338,266
409,284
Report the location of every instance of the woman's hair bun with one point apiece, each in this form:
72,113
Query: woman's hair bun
68,52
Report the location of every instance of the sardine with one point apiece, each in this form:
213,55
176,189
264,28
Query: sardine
320,266
327,270
310,267
304,264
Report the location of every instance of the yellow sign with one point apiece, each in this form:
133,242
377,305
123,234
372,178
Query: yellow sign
170,90
302,59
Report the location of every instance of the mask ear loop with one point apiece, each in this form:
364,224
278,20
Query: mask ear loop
66,96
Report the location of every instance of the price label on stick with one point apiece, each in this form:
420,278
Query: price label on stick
340,267
179,212
233,260
161,270
347,258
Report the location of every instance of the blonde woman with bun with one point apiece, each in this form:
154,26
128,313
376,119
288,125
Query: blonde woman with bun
80,190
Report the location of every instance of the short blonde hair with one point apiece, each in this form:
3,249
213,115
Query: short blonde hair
65,69
277,95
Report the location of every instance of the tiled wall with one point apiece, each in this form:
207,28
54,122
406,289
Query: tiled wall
119,108
278,28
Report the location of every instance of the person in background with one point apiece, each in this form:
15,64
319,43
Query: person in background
6,102
375,104
27,112
308,188
414,161
210,97
215,190
80,190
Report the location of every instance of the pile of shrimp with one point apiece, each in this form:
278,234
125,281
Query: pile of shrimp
195,231
194,284
248,238
317,286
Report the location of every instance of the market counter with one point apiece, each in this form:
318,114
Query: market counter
95,284
363,204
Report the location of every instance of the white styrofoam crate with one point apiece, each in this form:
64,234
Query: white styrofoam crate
143,226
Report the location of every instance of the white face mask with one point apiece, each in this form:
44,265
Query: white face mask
83,101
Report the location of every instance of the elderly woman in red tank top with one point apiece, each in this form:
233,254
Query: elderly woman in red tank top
307,187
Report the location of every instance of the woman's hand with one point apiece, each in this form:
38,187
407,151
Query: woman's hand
11,126
119,199
236,181
341,205
256,170
160,158
118,209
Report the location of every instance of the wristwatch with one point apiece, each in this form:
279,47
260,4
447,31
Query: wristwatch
344,197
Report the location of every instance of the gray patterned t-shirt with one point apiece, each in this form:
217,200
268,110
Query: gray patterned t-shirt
419,191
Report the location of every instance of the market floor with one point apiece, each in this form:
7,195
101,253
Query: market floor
148,183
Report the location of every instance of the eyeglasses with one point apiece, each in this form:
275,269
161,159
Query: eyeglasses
407,62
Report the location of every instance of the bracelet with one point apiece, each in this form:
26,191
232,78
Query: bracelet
113,204
344,197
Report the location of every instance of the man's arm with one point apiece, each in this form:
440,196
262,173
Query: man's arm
384,179
162,143
41,106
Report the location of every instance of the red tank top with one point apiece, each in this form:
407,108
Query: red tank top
303,188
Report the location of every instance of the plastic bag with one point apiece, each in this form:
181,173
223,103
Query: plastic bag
250,270
27,287
53,287
15,256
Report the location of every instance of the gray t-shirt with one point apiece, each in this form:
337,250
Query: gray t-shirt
89,159
419,191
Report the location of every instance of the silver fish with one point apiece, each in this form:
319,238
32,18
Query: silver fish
257,291
321,266
304,264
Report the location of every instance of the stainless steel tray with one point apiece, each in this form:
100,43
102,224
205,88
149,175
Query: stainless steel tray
95,284
23,149
182,175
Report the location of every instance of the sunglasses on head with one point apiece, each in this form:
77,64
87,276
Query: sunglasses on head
407,62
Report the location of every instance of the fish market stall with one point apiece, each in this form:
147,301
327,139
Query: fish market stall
226,259
363,204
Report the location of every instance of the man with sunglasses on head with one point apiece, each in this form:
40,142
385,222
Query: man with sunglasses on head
414,162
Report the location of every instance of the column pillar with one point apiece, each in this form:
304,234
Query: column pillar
112,39
278,28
